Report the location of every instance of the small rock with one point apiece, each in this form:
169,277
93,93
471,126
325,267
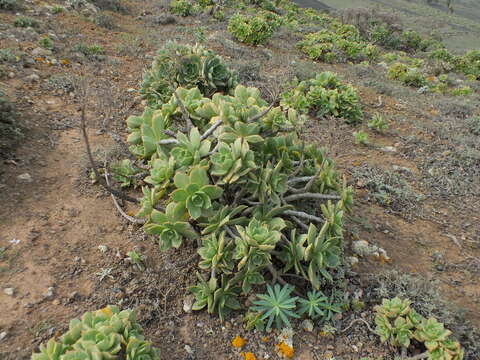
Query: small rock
56,302
41,52
388,149
188,349
353,260
307,325
50,292
402,169
11,75
73,295
25,177
9,291
103,248
3,335
188,303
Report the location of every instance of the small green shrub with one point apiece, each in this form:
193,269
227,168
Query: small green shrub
469,64
361,137
25,21
57,9
104,334
104,20
188,66
253,30
398,324
462,91
325,95
378,123
46,43
408,76
9,4
89,50
7,112
412,40
7,56
337,43
474,125
182,8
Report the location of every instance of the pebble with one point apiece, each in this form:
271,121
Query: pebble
188,349
307,325
26,177
11,75
3,335
188,303
50,292
388,149
38,51
9,291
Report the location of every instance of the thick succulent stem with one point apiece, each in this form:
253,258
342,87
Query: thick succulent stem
168,142
299,179
304,215
311,196
210,131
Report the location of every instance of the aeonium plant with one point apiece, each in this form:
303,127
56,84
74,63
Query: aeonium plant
231,172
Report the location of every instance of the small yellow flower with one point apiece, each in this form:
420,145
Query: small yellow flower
286,350
248,356
238,342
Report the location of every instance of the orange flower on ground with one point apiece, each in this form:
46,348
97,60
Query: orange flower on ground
286,350
248,356
238,342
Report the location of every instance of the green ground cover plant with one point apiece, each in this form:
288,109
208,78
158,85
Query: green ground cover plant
324,95
107,333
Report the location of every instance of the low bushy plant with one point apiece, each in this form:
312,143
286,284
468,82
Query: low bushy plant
469,64
338,43
360,137
407,75
9,4
182,7
239,183
103,334
46,43
253,30
378,123
89,50
188,66
25,21
325,95
398,323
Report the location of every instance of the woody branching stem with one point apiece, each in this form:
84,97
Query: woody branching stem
117,205
117,193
